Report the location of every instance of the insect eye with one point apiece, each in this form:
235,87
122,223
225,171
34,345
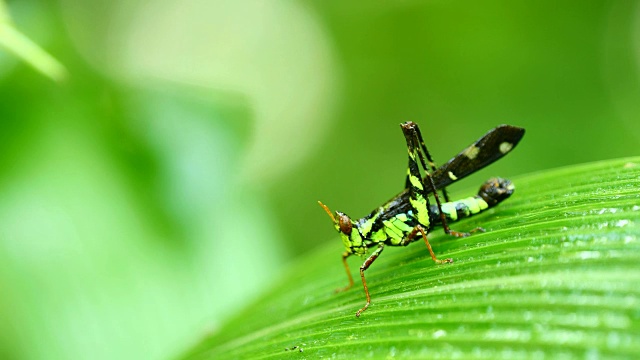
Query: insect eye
345,224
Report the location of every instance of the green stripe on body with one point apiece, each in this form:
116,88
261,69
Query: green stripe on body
470,206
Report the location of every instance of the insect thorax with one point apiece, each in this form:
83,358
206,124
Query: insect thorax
354,243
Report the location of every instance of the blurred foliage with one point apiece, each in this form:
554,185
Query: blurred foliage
12,40
175,171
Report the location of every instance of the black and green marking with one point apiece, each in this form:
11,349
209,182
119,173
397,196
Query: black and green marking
410,215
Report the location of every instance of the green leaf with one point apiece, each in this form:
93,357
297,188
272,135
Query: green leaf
555,275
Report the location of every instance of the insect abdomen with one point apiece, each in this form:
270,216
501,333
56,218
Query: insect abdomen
456,210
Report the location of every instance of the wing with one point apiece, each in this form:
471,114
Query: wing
495,144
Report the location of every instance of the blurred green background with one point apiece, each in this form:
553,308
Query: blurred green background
167,170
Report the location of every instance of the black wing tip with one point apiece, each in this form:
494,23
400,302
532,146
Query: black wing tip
512,127
515,132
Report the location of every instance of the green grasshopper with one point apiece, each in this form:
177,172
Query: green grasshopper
400,220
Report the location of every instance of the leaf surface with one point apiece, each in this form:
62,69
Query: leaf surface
555,275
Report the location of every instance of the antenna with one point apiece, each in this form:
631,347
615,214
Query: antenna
328,212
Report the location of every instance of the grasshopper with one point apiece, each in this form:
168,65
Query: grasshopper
409,216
